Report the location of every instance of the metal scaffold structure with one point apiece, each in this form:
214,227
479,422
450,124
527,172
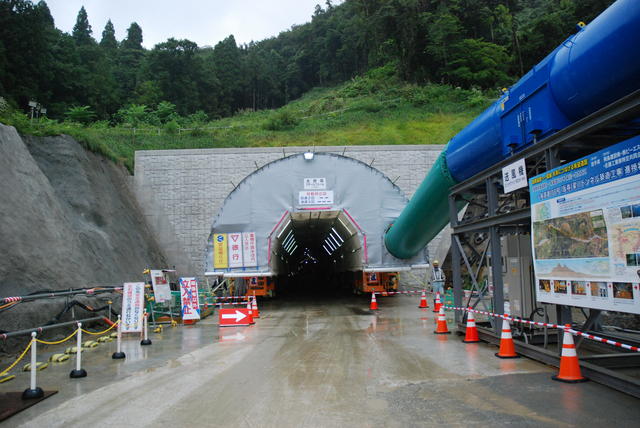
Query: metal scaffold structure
486,239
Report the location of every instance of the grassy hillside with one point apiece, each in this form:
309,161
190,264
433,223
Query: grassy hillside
367,110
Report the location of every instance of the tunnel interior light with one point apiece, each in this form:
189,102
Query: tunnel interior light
338,235
283,229
308,156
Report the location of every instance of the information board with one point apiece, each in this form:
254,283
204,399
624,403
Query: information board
585,229
161,288
189,298
315,197
132,307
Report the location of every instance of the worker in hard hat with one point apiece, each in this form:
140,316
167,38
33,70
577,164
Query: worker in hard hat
437,279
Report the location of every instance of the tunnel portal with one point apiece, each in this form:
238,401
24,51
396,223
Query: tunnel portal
312,220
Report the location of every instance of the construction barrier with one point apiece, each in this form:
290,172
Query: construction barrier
78,372
118,355
145,341
549,325
33,391
569,365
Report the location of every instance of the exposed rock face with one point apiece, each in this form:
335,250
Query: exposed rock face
68,220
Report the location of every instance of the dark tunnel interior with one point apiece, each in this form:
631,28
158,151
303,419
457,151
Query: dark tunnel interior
316,251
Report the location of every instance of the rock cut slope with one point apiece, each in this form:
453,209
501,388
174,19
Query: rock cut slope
68,220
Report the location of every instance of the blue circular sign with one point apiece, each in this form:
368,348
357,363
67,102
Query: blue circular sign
220,238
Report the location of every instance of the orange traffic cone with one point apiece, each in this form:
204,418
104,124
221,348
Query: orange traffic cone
251,320
569,366
507,347
436,306
471,336
374,303
441,327
254,307
423,300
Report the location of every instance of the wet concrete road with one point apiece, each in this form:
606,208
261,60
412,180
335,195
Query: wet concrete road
317,363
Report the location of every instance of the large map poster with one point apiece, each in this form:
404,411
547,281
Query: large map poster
585,228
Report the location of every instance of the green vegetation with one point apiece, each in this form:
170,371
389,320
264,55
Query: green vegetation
376,60
374,109
467,43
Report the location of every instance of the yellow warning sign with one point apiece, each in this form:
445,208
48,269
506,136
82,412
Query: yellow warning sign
220,255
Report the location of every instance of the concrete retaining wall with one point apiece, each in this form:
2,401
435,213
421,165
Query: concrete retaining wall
180,191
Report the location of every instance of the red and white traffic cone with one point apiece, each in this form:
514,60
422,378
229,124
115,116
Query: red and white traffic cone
507,347
374,303
254,307
471,335
436,306
423,300
251,320
441,327
569,365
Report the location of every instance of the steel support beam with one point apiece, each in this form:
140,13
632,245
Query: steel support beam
522,215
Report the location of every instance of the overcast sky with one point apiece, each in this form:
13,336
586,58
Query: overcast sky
205,22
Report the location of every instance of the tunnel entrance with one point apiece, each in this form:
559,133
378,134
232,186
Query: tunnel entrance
317,250
308,222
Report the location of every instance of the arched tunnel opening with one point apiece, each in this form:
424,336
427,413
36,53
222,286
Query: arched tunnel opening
308,224
317,251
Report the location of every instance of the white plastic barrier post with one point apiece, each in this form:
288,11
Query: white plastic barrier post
118,355
146,340
78,371
33,391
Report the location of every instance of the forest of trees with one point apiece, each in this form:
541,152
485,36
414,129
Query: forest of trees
467,43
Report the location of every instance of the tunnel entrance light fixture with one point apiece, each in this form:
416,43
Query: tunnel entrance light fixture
308,156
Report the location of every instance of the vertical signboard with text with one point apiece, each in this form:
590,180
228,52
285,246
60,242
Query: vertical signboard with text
235,249
132,307
220,255
249,254
189,299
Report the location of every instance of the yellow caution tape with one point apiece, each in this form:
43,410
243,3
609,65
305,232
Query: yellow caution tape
4,379
90,344
71,350
104,339
98,333
5,371
58,358
59,341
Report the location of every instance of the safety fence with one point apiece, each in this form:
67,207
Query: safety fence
35,332
391,293
548,325
172,308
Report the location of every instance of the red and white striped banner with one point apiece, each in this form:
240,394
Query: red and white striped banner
550,325
390,293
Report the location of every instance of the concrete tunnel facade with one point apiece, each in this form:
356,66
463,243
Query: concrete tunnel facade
308,212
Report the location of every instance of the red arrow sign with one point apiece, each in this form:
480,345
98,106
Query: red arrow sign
233,317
